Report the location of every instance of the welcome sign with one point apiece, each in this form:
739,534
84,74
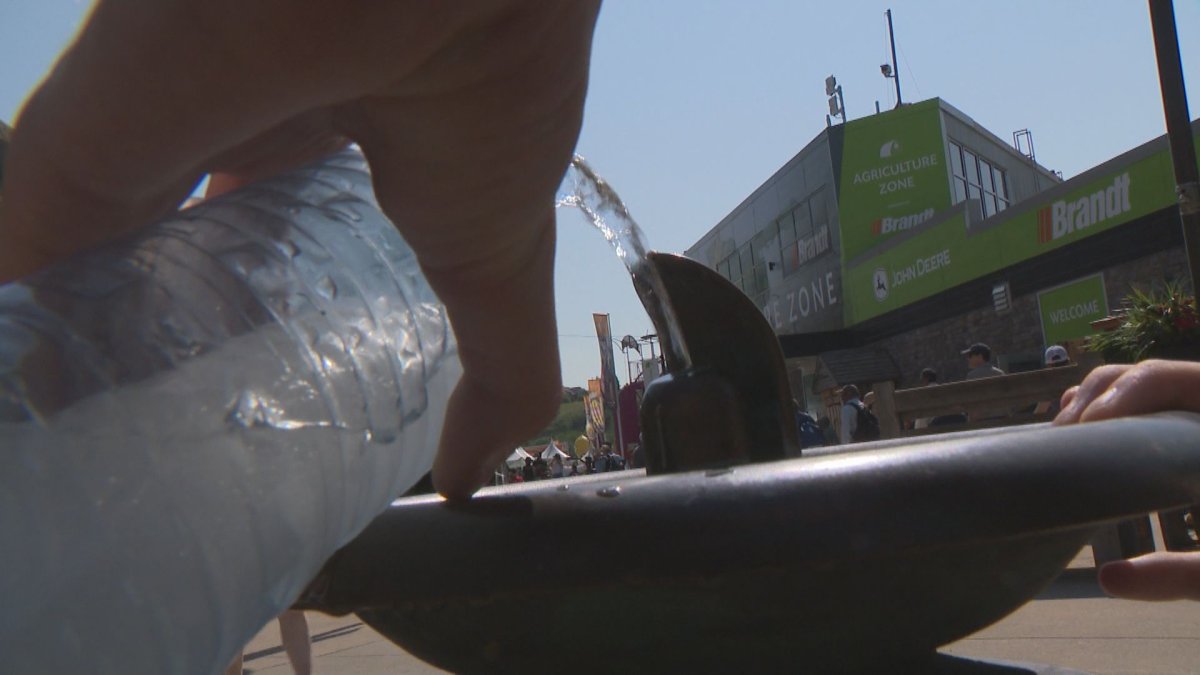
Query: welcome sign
1068,310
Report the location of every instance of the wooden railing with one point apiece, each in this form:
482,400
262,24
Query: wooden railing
989,402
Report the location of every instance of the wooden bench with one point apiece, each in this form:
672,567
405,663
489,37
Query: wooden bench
978,399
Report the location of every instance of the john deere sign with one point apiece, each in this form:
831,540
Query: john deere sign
893,175
1068,310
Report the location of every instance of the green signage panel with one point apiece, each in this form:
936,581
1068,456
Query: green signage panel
911,270
1068,310
893,175
948,249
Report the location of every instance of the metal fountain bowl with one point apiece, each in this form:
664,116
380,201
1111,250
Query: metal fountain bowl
864,559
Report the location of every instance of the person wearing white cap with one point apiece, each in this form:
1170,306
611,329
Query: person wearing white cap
1056,357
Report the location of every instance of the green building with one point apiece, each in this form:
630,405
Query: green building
891,242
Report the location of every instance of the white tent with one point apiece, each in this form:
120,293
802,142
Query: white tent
517,459
551,450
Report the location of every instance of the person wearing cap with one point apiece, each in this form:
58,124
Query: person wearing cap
929,378
979,361
1056,357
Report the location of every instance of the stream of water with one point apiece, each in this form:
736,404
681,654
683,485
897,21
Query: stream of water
583,189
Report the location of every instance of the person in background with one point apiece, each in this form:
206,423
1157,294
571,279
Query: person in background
979,362
615,461
809,432
639,456
601,463
928,378
827,431
850,405
1056,357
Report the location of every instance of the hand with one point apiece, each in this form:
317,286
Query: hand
1123,390
467,112
1156,576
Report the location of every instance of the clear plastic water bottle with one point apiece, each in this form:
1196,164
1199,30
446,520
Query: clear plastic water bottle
193,420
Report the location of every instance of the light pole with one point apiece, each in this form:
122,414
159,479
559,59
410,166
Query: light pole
837,104
892,71
1179,130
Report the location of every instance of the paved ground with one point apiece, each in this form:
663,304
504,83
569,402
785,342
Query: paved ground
340,645
1071,625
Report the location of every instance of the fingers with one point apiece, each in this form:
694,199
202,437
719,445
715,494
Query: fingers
1157,576
469,175
1067,397
511,386
1119,391
1092,387
151,92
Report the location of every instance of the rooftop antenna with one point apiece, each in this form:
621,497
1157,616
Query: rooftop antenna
892,70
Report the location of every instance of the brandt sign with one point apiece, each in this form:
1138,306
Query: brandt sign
1064,217
890,225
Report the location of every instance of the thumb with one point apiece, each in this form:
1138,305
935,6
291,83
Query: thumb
1156,576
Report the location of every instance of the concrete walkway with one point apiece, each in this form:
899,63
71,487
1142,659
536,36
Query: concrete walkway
1071,625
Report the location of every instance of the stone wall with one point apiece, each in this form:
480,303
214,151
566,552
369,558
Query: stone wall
1014,336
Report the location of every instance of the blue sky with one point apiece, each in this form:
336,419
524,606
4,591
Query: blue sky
693,103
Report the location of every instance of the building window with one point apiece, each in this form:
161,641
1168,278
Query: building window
741,269
811,238
801,234
975,177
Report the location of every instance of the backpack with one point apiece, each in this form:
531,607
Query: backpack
867,427
810,434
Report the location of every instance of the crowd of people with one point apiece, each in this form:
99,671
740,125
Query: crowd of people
558,466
